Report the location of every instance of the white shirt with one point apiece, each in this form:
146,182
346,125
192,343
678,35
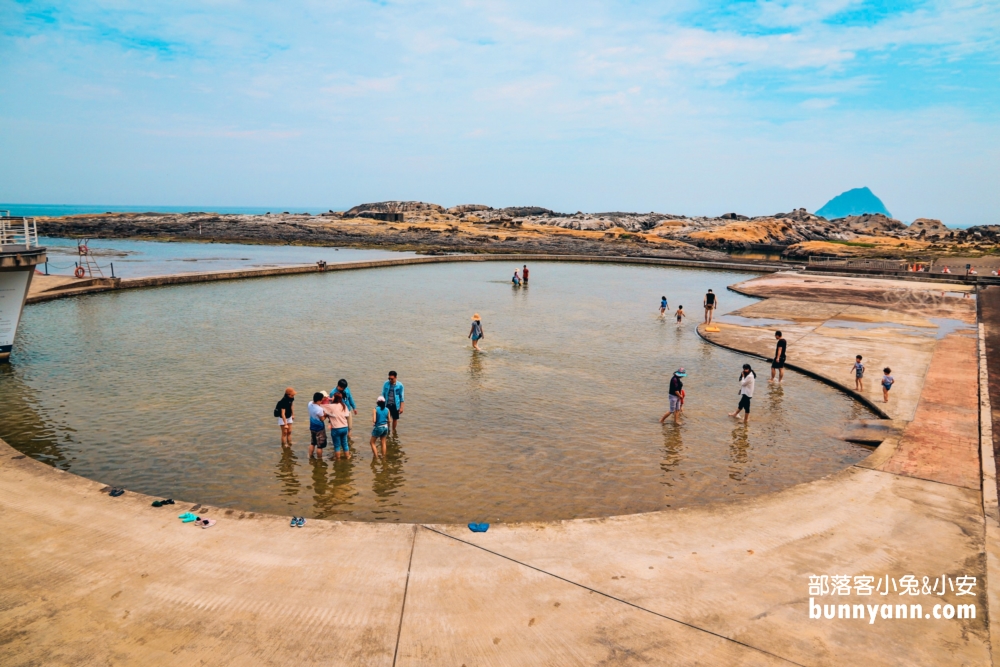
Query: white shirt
746,385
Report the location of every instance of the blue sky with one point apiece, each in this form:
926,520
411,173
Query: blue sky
684,107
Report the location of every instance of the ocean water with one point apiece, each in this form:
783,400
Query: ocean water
170,391
59,210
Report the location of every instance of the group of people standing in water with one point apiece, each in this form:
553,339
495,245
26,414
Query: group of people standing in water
337,408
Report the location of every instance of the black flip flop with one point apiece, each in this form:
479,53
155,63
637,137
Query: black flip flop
115,492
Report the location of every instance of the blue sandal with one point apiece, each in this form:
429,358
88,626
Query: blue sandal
479,527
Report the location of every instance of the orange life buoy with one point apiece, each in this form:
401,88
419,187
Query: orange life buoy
79,273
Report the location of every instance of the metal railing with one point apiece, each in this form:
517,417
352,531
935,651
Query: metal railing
18,230
855,263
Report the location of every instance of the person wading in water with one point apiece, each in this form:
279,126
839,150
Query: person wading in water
283,411
380,426
476,333
747,378
778,363
393,392
674,394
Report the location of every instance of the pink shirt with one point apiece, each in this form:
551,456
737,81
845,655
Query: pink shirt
338,414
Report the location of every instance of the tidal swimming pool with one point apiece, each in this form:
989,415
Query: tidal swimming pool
170,392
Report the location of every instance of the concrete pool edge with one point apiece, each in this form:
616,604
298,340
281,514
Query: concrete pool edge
86,576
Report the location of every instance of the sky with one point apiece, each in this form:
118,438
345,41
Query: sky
688,107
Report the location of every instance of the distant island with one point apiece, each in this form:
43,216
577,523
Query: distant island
858,201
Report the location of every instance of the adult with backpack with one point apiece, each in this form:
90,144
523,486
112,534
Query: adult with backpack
283,411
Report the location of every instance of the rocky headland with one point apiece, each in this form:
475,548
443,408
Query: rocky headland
432,228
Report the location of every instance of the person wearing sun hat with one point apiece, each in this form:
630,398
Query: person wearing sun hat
476,332
380,426
676,394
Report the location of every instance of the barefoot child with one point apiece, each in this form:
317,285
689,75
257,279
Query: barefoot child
747,379
886,383
859,372
380,426
663,306
476,332
680,314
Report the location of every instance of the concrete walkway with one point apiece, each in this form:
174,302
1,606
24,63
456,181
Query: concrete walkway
89,579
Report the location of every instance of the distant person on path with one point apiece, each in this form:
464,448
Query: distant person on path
711,303
284,412
859,372
747,378
663,306
778,363
393,392
516,280
380,426
348,401
674,395
317,429
524,275
337,413
887,383
680,314
476,332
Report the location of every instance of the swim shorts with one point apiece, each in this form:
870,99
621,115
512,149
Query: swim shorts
318,438
380,431
778,364
675,403
393,411
744,404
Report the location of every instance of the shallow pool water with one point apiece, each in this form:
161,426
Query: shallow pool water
127,258
170,391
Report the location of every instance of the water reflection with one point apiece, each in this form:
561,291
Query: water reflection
388,480
285,472
673,447
739,451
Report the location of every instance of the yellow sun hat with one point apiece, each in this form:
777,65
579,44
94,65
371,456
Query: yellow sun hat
476,316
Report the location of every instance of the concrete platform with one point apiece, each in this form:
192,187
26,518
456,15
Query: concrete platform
89,579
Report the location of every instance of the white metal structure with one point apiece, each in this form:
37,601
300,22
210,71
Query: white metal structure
18,231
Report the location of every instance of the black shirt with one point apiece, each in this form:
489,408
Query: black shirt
709,299
285,404
779,352
676,385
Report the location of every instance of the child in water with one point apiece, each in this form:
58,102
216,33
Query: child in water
680,314
380,426
516,280
886,383
663,306
476,333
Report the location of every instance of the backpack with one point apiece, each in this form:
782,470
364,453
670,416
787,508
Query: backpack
277,409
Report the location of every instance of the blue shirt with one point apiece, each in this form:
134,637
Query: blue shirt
398,390
316,417
381,416
348,399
